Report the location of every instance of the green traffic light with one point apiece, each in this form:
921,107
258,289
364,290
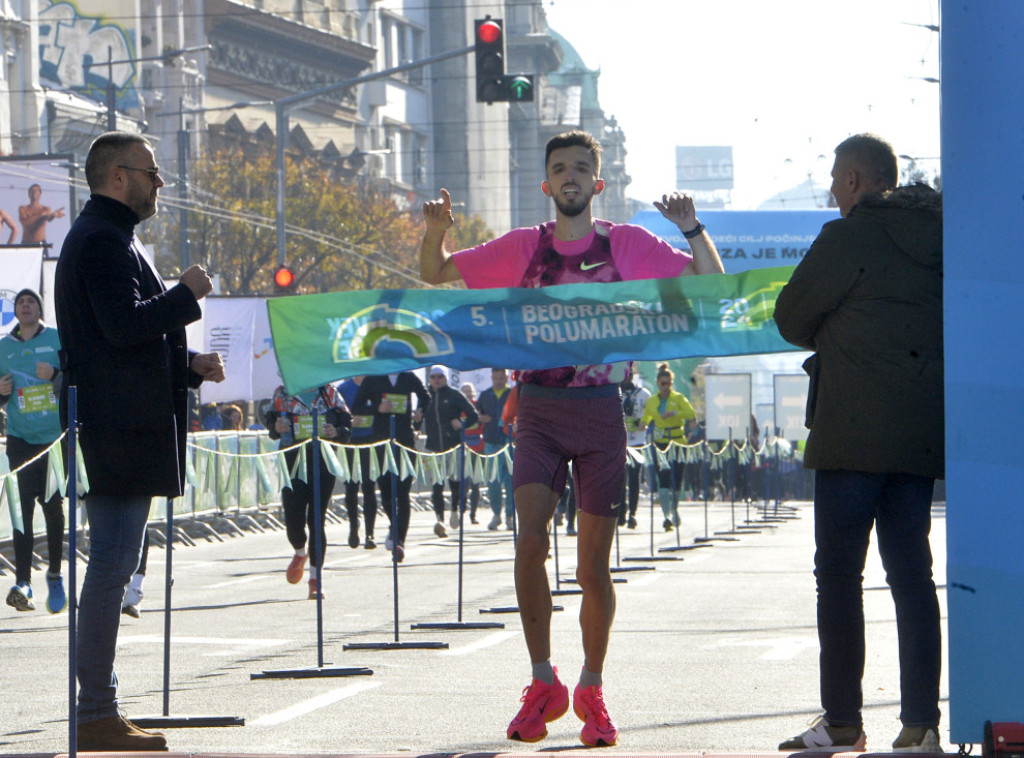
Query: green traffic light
520,88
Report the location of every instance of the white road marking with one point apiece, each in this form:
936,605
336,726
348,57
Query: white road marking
490,640
639,579
242,580
780,648
223,643
313,704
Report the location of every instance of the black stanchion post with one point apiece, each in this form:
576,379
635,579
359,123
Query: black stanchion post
165,720
396,644
618,568
558,591
750,476
778,475
652,474
707,539
676,520
728,535
747,527
72,570
168,582
698,541
317,568
460,508
319,518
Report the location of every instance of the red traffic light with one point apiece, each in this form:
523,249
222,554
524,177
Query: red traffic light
489,32
284,278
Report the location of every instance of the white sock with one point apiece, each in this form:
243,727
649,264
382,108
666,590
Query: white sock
544,671
589,679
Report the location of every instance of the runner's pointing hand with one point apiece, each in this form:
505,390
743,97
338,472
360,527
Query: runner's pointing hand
438,213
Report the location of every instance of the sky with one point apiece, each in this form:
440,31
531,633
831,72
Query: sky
781,82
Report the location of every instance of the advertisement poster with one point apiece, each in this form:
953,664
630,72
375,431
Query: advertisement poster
35,201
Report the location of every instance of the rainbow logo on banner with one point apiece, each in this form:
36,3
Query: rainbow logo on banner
381,331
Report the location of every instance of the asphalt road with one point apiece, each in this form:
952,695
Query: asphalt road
715,651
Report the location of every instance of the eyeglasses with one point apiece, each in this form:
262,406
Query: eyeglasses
153,172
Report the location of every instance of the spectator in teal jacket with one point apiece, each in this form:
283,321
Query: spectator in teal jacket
29,357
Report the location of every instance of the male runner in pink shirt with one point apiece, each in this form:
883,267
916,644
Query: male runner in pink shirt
573,413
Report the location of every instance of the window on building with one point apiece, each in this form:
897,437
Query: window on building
406,163
403,43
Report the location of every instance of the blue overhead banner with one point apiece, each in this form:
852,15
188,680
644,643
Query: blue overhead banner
748,239
323,338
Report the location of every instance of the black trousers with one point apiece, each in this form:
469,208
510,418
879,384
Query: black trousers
32,488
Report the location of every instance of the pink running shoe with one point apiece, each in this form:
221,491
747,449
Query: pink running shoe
541,703
598,729
295,569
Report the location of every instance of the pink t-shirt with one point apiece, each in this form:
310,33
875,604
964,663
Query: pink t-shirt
635,254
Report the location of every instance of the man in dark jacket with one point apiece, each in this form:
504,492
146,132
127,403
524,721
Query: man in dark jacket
124,349
443,422
492,407
867,299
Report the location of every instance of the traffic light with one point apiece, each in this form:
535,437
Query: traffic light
284,281
490,59
519,88
493,85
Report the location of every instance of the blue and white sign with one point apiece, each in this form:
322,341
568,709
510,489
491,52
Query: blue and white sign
748,239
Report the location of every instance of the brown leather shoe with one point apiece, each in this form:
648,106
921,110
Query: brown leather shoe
116,734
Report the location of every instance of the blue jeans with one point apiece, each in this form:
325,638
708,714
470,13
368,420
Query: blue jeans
503,481
846,505
116,528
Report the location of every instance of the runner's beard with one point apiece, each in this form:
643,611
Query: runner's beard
574,207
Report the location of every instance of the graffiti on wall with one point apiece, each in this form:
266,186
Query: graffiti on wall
77,39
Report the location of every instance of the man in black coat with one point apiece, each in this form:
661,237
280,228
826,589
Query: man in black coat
867,299
124,349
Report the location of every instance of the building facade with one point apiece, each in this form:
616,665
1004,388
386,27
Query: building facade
195,75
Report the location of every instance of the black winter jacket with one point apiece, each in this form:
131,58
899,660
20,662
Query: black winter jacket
867,298
446,404
124,348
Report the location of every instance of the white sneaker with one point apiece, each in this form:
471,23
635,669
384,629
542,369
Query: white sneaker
917,740
494,523
132,600
454,520
508,523
389,542
439,529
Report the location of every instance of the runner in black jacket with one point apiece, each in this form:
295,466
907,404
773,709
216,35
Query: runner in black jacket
443,422
390,396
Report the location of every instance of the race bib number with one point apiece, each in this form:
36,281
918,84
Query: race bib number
362,422
304,427
399,403
37,398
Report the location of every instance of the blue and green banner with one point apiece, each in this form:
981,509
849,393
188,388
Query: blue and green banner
323,338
